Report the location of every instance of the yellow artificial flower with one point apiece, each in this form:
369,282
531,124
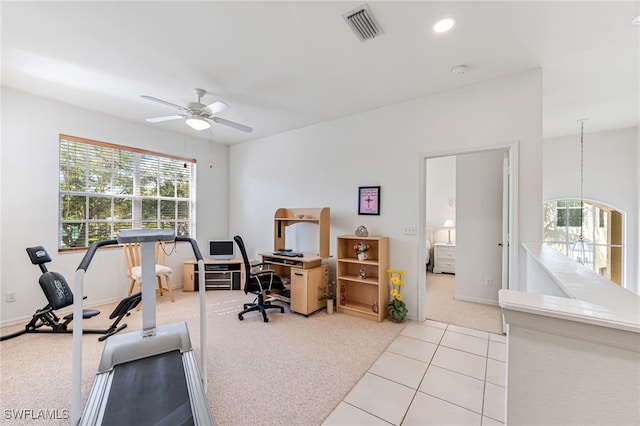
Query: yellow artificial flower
397,308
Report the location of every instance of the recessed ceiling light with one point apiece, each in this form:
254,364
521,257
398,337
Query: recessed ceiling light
443,25
636,20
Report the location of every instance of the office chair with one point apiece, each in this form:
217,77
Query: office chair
258,281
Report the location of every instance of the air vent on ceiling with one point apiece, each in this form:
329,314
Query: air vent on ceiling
362,22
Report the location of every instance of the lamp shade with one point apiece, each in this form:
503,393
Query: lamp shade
198,123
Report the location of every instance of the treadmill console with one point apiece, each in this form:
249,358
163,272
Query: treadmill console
127,236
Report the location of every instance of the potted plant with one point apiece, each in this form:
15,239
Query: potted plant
328,293
396,306
361,249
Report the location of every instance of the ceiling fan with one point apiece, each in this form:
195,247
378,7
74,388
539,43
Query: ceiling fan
197,114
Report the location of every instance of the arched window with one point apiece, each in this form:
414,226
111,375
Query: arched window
602,227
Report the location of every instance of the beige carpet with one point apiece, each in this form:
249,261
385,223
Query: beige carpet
291,370
443,307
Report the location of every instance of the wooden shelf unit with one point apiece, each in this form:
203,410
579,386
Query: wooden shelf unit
361,294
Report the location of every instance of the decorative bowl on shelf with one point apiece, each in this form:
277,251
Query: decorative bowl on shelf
299,215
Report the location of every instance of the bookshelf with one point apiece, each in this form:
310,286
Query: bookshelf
362,293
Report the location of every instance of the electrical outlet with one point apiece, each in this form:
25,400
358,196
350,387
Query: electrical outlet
11,296
488,282
409,230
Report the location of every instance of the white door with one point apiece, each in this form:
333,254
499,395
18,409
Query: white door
479,226
506,190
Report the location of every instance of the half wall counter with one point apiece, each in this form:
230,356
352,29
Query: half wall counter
573,350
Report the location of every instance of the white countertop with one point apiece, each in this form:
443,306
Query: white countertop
591,299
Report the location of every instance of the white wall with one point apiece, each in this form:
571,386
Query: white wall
29,195
570,320
610,165
441,193
565,373
323,165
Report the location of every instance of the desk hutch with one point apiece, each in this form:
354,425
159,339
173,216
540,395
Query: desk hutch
309,273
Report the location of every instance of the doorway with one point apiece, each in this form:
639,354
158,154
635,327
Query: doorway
485,217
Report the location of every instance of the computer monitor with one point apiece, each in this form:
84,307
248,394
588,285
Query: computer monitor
222,249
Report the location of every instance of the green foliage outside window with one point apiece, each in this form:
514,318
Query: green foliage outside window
105,188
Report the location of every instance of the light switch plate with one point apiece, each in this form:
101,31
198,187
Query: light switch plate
409,230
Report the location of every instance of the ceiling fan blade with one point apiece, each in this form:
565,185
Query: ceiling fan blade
232,124
216,107
165,118
151,98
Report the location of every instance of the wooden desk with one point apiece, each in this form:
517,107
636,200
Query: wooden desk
219,274
308,274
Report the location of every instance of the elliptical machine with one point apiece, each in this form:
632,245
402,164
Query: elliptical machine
59,295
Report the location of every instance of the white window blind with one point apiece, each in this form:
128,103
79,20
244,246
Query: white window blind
106,187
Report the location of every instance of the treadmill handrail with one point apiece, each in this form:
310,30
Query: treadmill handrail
194,246
86,260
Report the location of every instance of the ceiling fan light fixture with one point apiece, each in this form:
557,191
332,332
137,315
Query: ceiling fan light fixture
198,123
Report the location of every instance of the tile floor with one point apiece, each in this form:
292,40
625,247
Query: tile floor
431,374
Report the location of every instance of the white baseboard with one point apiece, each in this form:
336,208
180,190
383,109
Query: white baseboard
476,300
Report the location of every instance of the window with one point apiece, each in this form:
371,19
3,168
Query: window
603,228
568,212
105,188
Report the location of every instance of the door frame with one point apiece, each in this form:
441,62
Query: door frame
512,220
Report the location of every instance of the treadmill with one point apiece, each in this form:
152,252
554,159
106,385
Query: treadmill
146,377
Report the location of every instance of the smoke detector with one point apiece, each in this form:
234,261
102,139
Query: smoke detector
363,23
459,69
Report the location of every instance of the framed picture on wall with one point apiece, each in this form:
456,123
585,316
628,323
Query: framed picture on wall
369,200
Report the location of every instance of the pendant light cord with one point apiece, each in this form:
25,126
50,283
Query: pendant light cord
581,180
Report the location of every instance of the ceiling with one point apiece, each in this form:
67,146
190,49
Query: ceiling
288,65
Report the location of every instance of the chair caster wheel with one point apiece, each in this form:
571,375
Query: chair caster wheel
266,320
240,317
